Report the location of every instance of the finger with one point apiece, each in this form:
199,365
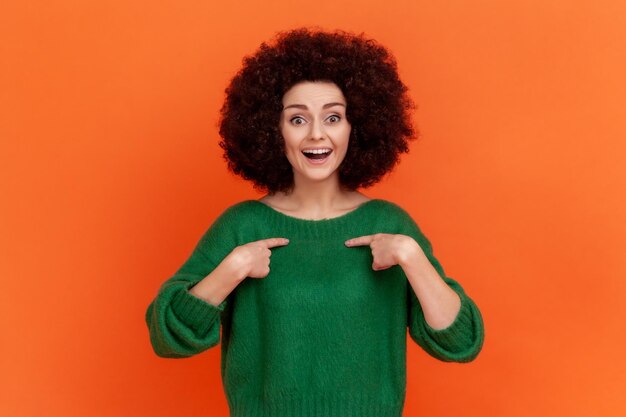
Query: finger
360,241
377,267
275,241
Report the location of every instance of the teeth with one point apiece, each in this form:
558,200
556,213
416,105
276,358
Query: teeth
318,151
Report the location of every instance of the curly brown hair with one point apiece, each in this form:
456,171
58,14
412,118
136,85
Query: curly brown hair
379,107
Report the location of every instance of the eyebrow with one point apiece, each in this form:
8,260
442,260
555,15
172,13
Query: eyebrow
302,106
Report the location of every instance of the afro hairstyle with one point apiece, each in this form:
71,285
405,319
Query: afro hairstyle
378,106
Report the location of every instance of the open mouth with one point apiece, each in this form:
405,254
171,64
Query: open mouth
317,154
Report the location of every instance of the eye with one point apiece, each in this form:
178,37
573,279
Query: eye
293,119
334,118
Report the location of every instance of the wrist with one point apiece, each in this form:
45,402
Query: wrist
237,267
411,253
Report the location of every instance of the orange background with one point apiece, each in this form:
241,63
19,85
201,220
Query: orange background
110,172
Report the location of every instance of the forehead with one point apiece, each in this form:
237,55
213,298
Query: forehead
312,93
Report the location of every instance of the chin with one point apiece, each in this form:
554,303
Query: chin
319,177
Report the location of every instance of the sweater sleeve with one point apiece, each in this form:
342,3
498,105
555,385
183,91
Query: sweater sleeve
181,324
462,340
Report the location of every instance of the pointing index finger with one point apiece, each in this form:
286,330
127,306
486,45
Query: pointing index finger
276,241
360,241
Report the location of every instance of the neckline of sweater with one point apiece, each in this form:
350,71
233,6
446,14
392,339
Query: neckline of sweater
300,220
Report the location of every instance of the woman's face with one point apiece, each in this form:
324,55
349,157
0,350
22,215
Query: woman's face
314,118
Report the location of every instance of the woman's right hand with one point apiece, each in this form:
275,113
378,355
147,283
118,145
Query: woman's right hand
254,257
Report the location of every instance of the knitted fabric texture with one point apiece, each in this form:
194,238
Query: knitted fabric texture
323,335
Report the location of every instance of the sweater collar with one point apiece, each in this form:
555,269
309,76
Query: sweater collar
333,226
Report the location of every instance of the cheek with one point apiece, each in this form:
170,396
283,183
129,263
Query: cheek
292,148
289,140
345,140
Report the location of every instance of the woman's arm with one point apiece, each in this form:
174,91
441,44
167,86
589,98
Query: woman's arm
249,260
445,322
180,323
184,317
441,318
216,286
439,302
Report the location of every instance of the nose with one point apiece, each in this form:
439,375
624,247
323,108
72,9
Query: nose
317,130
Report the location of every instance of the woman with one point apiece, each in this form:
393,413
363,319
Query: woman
321,329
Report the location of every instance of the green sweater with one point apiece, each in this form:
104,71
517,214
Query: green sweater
323,335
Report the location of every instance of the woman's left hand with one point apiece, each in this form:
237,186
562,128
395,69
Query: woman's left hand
387,249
